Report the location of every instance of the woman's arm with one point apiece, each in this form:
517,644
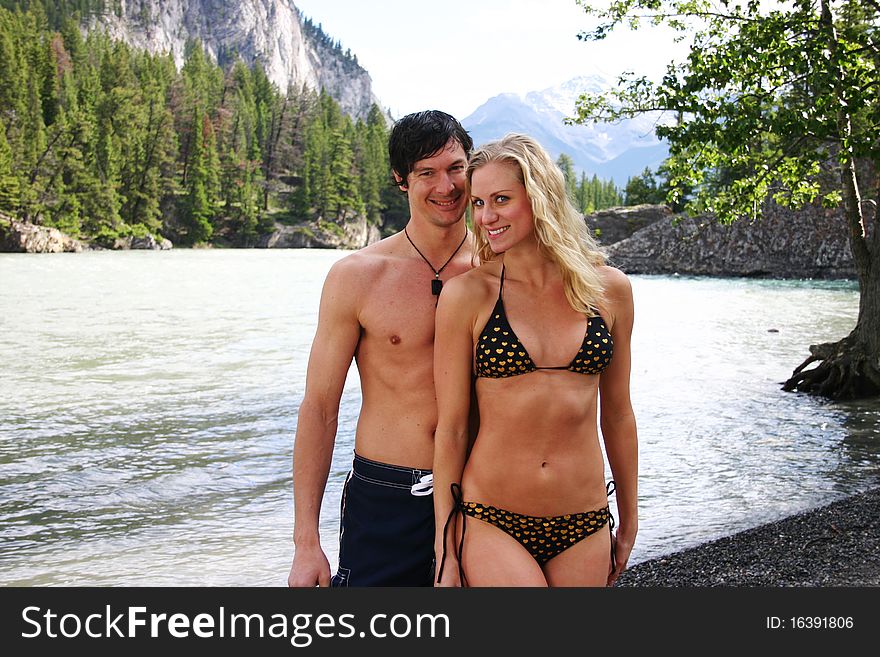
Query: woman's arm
453,357
617,419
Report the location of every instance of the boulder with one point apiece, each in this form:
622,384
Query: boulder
616,224
23,237
148,243
812,242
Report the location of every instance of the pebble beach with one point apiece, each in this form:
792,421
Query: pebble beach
833,545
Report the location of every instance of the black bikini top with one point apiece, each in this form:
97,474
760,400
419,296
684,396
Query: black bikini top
501,354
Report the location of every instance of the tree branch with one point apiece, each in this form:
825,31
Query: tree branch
874,4
603,30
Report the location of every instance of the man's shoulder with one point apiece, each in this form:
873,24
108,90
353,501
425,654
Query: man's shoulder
367,262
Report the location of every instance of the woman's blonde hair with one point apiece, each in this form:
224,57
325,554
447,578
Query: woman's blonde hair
562,232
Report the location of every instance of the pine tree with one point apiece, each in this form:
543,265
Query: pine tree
343,195
241,161
201,201
13,70
566,164
149,148
373,164
583,202
643,189
9,183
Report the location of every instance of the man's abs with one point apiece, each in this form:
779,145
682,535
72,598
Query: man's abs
397,427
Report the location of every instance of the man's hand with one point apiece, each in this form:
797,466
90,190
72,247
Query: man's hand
310,568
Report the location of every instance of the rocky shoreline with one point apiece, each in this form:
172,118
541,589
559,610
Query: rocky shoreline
354,233
837,545
812,242
23,237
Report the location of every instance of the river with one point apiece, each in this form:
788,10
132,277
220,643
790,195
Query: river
148,403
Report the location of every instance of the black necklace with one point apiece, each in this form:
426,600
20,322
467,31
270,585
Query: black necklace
436,284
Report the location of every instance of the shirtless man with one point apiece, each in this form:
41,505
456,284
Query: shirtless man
378,306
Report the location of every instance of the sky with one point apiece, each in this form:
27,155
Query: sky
453,55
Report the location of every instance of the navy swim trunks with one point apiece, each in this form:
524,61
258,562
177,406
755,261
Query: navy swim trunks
386,531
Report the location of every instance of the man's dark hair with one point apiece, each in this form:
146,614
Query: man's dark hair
423,134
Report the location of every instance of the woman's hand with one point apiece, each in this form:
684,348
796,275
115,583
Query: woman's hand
622,546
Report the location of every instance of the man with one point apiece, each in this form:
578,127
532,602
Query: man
377,306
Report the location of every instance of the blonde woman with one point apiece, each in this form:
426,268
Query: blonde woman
543,326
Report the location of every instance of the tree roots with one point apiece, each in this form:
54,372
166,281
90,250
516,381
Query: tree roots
845,371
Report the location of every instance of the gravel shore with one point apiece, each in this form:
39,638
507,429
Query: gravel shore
833,545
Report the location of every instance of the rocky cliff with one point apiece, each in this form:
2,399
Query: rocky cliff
809,243
269,31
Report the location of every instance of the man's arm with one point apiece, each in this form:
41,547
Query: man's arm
333,348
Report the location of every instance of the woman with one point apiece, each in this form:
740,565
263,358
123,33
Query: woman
545,327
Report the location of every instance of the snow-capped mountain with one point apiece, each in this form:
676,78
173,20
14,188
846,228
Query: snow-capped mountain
611,151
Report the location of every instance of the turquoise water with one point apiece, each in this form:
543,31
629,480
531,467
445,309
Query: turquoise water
148,403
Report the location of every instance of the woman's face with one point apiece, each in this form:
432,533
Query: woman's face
502,208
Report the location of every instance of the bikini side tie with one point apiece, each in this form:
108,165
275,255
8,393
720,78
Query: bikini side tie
457,499
609,489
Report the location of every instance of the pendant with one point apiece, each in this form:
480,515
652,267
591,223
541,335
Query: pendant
436,286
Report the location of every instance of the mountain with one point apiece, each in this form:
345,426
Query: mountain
611,151
274,32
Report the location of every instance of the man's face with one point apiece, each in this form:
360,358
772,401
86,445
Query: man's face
436,186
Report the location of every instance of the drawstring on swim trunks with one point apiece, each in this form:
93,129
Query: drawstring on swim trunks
424,486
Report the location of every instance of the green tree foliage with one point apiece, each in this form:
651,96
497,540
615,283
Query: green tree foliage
588,195
202,183
105,141
9,184
57,11
246,130
371,158
324,41
644,188
329,187
150,150
773,102
566,164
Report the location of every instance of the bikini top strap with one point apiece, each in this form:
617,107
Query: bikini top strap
501,287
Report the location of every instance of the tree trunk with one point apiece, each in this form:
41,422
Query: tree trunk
850,368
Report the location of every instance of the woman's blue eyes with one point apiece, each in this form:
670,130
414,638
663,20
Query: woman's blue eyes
478,202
